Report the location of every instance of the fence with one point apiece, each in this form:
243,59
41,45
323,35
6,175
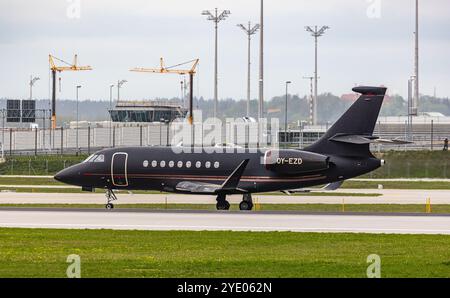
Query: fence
30,166
17,141
70,140
424,136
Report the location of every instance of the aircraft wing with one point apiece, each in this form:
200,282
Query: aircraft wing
229,185
198,187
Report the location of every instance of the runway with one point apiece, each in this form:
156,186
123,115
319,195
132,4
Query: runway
224,221
388,196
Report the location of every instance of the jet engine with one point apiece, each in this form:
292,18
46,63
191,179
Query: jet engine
293,162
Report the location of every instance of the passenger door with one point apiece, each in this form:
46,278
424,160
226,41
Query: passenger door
119,169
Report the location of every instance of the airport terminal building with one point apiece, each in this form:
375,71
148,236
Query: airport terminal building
146,111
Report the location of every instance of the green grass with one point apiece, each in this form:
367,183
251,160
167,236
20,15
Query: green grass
395,185
398,208
38,165
413,164
107,253
29,181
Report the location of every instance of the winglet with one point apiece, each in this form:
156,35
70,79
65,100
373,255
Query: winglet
233,180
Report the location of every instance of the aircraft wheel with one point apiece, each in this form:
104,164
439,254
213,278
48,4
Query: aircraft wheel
109,206
244,205
223,205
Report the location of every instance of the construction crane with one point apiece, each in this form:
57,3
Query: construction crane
69,67
172,69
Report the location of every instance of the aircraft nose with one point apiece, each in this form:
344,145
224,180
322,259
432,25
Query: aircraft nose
61,176
66,176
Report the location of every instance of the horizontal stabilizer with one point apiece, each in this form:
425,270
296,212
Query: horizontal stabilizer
364,139
394,141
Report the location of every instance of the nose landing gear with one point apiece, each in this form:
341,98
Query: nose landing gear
110,196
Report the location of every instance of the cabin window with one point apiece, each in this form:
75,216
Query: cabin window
162,164
208,164
99,158
154,163
216,164
180,164
198,164
188,164
171,163
145,163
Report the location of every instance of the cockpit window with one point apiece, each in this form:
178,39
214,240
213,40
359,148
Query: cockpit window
100,158
90,158
95,158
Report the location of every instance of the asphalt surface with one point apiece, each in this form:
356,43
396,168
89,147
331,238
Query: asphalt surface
388,196
216,221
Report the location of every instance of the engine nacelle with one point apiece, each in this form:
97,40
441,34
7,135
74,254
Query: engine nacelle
286,161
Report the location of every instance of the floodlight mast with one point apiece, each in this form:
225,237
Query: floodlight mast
216,18
416,96
119,85
261,68
316,33
249,31
32,81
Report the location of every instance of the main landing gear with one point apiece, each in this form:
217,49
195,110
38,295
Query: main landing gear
222,203
246,204
110,196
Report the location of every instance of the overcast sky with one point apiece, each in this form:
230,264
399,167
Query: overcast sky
370,42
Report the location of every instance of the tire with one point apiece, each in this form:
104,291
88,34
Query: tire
109,206
244,205
223,206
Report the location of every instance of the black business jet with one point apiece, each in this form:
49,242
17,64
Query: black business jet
342,153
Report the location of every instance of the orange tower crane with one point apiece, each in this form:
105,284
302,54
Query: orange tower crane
172,69
69,67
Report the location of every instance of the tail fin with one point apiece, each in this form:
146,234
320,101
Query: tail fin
359,120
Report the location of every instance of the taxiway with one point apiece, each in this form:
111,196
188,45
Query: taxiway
217,221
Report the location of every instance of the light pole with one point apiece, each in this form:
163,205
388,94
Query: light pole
167,131
78,87
311,98
216,18
261,68
416,63
285,114
249,31
119,85
161,120
181,93
315,33
32,81
110,115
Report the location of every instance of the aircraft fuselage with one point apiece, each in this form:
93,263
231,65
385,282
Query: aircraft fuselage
162,169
